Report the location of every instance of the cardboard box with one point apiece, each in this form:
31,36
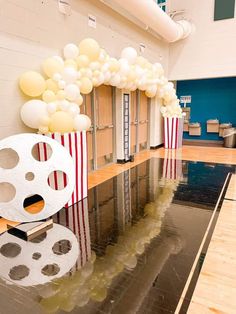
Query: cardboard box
195,129
213,126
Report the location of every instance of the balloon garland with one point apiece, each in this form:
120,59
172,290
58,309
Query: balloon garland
94,278
59,92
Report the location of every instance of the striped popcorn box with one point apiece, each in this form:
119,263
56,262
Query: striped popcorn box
172,165
76,219
76,144
173,132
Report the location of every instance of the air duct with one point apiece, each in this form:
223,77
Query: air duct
150,14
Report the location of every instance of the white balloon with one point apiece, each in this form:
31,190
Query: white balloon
64,105
130,54
105,67
124,66
61,84
51,107
69,75
72,92
71,51
94,65
115,80
32,113
82,122
73,109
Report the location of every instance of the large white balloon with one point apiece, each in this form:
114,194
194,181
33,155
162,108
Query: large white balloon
82,122
69,75
130,54
32,113
71,51
72,92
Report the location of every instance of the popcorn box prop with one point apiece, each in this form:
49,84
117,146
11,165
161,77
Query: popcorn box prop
76,219
173,132
213,126
76,144
172,165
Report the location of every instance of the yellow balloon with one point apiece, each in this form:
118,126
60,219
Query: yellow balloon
71,63
131,75
61,122
98,294
149,94
48,96
60,95
32,83
90,48
86,85
52,66
52,85
82,61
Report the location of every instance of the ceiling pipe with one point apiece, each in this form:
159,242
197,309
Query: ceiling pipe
149,13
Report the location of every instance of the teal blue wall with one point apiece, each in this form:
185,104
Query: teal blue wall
211,98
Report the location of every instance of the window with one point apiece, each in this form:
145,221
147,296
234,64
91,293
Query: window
162,4
224,9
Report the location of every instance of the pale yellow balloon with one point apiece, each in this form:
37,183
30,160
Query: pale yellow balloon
141,61
52,85
86,85
131,76
114,65
80,100
32,83
48,96
45,121
60,95
71,63
52,66
43,129
149,94
61,122
82,61
90,48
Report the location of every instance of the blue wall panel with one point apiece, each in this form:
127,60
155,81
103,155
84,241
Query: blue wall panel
211,98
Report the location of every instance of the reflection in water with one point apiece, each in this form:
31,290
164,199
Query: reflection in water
92,281
35,263
145,227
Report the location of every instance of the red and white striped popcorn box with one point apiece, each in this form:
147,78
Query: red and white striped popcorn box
173,132
76,144
76,219
172,165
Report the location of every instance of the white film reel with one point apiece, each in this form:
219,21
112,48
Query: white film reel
54,200
32,263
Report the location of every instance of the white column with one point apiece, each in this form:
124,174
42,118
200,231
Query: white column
156,123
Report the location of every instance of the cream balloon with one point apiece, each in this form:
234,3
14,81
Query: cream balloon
72,92
70,51
32,83
80,100
48,96
86,85
52,85
52,66
90,48
70,63
32,112
61,122
82,61
82,122
124,66
60,95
